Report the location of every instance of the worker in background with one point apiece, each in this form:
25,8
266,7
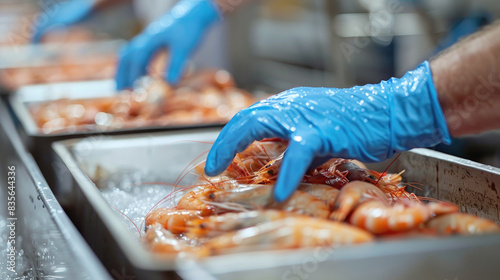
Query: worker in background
134,57
456,93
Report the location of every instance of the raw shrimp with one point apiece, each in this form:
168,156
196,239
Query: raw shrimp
288,233
325,193
269,172
173,220
254,165
351,195
260,196
328,174
460,223
378,217
160,240
218,224
193,200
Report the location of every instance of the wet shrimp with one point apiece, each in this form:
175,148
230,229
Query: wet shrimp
218,224
260,196
173,220
378,217
460,223
160,240
269,172
353,194
194,199
325,193
288,233
258,164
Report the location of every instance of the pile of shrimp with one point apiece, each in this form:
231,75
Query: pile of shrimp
207,96
72,61
338,203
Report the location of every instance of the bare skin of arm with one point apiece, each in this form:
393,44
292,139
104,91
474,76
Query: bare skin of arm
103,4
467,80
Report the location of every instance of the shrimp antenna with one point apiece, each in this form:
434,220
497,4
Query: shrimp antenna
382,175
140,235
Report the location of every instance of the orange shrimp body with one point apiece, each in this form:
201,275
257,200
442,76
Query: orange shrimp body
351,195
288,233
193,200
246,196
162,241
218,224
260,196
269,172
328,174
303,203
379,217
173,220
325,193
459,223
259,153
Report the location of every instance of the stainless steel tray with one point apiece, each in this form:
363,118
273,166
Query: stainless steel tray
52,246
28,64
163,157
39,143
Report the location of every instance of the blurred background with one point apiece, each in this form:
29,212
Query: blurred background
273,45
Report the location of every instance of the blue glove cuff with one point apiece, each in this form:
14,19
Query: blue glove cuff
416,118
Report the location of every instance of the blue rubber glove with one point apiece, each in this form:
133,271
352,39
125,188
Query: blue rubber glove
369,123
63,15
179,31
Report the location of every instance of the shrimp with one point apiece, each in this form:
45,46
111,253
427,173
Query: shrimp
326,193
288,233
460,223
328,174
195,199
217,224
260,196
247,196
351,195
160,240
303,203
269,172
378,217
259,163
173,220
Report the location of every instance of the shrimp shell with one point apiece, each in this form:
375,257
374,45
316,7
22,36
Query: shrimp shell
173,220
378,217
460,223
288,233
326,193
218,224
160,240
351,195
260,196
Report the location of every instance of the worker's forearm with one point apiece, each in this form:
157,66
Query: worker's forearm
467,80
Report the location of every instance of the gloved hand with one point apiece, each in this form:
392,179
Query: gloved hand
369,123
64,15
179,31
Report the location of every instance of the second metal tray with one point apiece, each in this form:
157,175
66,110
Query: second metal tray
39,144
